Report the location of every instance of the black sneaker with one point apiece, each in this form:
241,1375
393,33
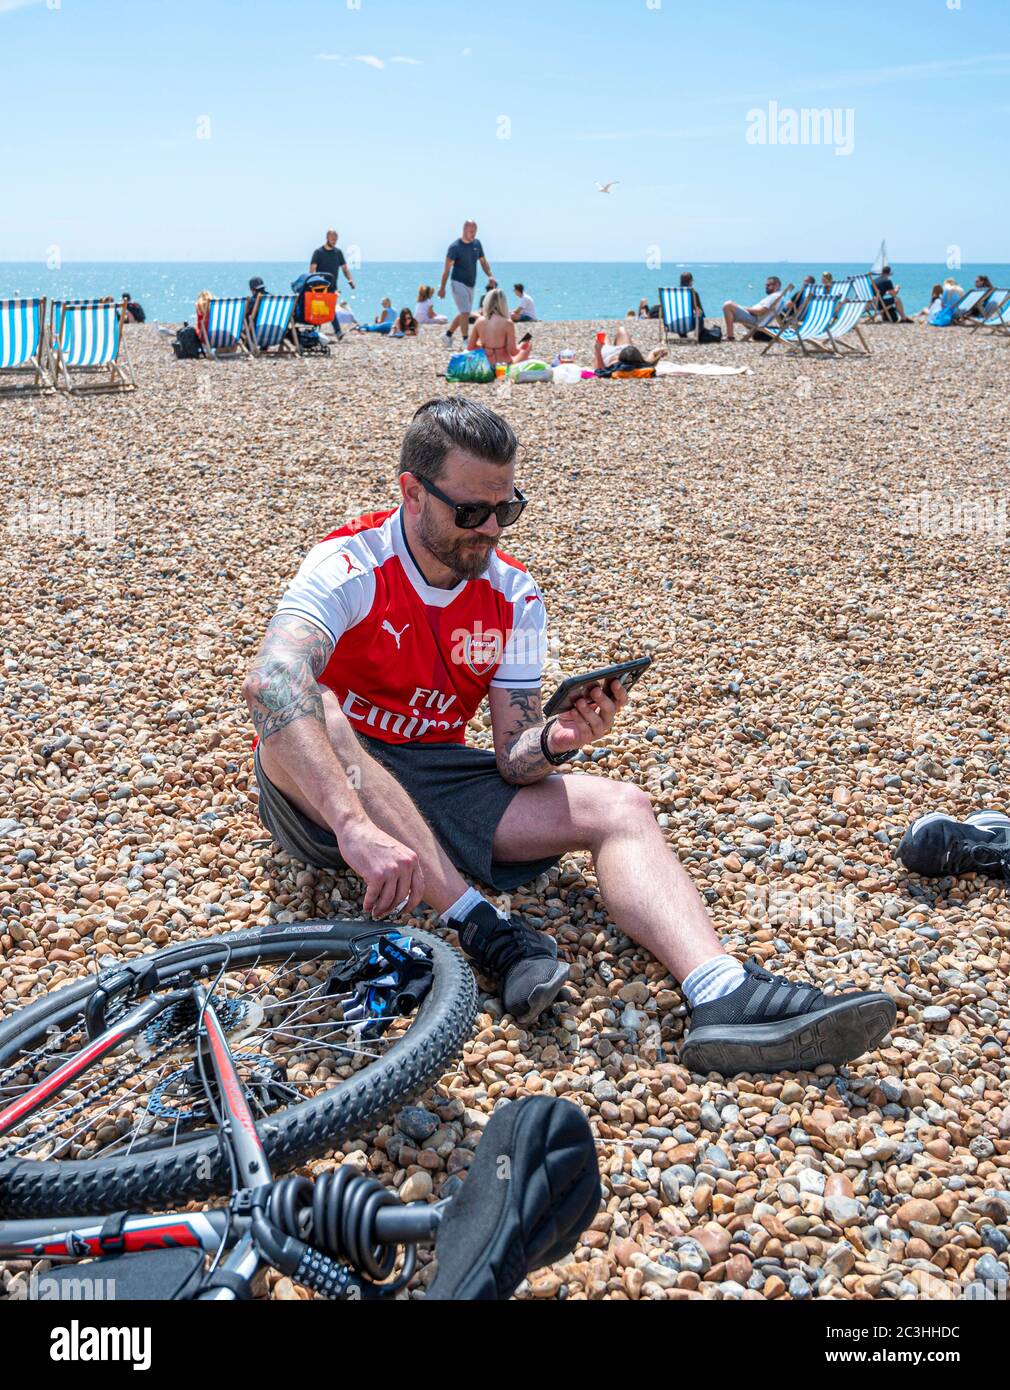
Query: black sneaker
937,844
523,961
771,1024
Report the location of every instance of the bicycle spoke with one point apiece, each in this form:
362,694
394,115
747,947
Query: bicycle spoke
289,1041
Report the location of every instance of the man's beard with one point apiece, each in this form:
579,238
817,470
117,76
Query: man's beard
468,559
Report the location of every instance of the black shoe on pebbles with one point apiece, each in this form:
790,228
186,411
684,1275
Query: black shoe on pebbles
524,962
937,845
771,1024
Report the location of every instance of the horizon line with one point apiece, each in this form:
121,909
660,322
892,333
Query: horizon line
260,260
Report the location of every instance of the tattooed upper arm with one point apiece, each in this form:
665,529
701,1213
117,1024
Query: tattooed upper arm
283,681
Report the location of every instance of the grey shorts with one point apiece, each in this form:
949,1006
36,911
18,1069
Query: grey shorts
463,295
458,790
745,316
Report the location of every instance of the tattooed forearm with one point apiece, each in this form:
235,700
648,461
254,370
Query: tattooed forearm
517,750
282,684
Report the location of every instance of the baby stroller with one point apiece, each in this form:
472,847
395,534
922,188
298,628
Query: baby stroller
317,304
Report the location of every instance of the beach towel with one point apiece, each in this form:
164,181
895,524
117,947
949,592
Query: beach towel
699,369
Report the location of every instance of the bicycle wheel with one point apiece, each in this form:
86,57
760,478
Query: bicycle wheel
135,1131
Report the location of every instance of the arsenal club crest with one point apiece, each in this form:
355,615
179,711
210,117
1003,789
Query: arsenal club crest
482,650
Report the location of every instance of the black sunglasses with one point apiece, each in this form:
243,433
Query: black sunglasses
469,515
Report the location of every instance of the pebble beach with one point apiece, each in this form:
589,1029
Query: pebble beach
814,555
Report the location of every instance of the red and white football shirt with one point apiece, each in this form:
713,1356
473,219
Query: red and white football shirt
413,663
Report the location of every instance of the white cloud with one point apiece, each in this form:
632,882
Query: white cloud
467,52
369,59
6,5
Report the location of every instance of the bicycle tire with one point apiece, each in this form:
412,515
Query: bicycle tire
196,1169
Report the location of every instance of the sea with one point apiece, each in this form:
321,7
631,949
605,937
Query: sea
562,290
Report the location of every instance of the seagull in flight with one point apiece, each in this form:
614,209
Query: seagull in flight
606,187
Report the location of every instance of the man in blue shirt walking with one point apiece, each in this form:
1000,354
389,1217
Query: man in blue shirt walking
462,260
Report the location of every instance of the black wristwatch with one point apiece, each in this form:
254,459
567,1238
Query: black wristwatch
555,759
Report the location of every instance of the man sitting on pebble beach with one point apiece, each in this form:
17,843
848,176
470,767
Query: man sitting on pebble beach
389,638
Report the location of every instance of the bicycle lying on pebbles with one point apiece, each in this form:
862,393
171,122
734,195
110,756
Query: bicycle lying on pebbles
201,1070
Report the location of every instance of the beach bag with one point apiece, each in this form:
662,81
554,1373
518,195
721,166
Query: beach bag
943,318
530,371
469,366
187,342
710,335
319,306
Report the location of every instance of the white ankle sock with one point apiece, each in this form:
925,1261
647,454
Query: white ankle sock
712,980
464,905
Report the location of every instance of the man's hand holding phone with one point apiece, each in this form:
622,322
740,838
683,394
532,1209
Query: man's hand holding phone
590,717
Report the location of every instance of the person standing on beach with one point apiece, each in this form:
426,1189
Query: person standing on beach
328,260
460,270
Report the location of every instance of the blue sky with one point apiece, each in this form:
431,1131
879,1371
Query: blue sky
384,118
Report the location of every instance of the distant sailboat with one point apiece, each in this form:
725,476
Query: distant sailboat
881,260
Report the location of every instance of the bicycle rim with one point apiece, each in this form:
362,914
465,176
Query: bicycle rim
312,1079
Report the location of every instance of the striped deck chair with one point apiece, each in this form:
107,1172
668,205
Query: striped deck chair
87,336
810,334
846,321
23,341
776,319
678,307
224,330
838,289
999,320
863,288
272,325
963,308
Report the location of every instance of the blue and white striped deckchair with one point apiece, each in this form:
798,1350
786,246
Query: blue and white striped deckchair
838,289
87,336
272,324
849,313
861,287
969,301
810,334
22,340
999,319
678,306
224,330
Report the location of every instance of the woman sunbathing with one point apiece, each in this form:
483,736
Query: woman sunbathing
495,332
621,351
